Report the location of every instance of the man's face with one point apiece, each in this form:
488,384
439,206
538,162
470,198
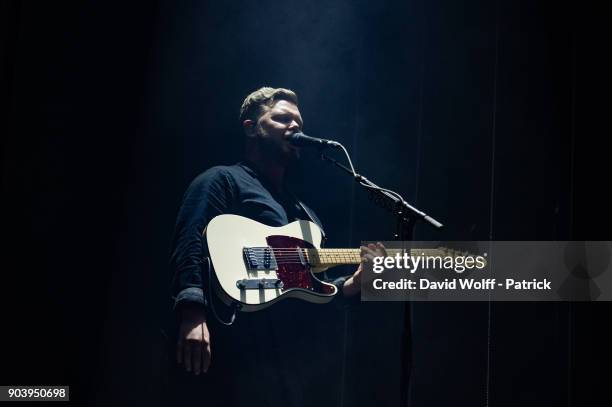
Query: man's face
275,126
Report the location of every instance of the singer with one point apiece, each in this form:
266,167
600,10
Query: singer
255,188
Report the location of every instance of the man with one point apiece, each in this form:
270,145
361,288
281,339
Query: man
254,188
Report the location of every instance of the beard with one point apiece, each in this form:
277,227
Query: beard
277,148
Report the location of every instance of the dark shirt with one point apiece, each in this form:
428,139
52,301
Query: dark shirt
265,358
237,189
277,343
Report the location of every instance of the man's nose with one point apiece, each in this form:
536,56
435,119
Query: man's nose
294,125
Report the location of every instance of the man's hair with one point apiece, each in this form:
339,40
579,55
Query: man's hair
257,102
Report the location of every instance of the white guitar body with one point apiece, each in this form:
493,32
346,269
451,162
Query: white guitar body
257,265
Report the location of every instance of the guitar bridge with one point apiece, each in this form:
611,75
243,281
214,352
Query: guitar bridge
258,283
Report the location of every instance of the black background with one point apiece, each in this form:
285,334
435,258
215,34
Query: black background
492,116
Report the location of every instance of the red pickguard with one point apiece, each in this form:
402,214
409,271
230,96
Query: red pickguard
291,272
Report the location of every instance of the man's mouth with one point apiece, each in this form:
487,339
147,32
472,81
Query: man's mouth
288,140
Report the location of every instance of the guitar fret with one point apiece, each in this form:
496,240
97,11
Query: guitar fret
333,257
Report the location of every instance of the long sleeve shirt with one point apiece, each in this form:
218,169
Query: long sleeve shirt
273,346
237,189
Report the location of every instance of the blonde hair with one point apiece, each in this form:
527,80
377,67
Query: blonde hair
257,102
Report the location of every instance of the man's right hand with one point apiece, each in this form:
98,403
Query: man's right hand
193,347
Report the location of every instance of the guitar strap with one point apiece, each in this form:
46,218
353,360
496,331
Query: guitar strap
338,282
311,217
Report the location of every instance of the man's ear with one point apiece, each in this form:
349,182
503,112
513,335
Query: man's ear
249,127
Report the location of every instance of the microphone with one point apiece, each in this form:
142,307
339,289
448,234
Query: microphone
302,140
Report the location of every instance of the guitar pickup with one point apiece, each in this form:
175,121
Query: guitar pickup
259,258
259,283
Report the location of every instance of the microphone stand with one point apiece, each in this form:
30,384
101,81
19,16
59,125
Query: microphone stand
406,217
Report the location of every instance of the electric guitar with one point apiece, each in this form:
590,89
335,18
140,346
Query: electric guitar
257,265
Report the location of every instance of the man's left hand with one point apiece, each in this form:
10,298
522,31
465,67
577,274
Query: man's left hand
352,285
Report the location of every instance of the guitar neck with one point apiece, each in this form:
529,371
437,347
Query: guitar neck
337,257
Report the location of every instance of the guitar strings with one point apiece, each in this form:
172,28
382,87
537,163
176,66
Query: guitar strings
295,249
